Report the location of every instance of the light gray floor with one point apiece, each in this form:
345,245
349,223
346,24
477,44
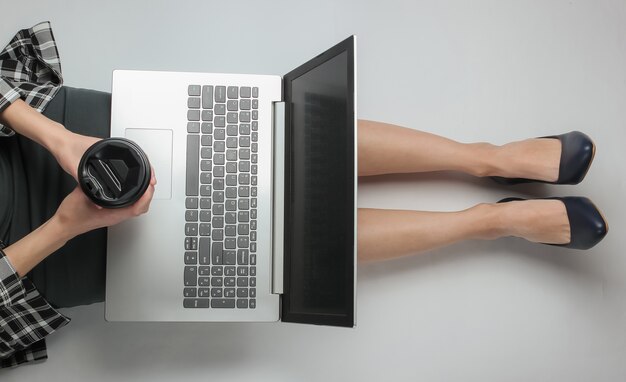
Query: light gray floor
473,71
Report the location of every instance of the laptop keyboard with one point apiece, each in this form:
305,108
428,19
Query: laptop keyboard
221,197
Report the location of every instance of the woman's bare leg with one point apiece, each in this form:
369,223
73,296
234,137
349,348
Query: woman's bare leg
385,148
387,234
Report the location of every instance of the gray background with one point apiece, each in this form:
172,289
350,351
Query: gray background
473,71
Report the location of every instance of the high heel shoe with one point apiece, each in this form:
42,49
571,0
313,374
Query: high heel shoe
577,152
587,225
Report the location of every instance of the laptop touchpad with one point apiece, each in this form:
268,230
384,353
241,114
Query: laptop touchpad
157,144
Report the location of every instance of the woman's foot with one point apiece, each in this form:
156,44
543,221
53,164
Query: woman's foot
537,158
540,221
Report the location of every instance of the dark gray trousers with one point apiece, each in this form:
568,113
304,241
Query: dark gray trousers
75,274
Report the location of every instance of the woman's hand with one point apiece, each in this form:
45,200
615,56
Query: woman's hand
77,214
71,150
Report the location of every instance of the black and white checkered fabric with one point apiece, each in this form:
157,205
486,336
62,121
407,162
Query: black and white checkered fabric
29,69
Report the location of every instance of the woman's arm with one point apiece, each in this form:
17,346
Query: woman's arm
66,146
76,215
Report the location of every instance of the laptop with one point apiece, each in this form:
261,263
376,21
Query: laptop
254,212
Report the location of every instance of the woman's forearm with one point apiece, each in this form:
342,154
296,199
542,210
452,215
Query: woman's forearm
28,122
25,254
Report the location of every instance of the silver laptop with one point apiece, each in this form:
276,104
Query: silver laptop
254,212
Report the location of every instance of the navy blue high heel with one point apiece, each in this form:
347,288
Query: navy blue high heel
577,152
587,225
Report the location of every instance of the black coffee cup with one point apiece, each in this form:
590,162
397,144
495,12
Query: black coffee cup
114,172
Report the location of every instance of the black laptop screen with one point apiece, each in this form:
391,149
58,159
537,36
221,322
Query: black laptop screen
319,218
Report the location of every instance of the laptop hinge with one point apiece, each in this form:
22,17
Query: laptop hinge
278,203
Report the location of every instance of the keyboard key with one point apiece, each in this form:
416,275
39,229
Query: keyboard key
252,273
193,152
255,125
206,127
244,216
219,121
244,104
205,203
255,115
191,216
242,292
231,167
218,183
191,203
231,130
218,222
231,154
205,216
230,271
189,292
219,146
231,180
218,196
232,105
219,158
244,203
220,109
255,92
244,153
244,166
204,292
229,281
206,140
217,270
230,257
252,259
217,282
217,235
196,303
245,92
193,127
244,116
191,243
231,205
216,292
191,276
229,292
255,147
231,218
193,90
243,241
204,229
244,141
231,192
255,103
232,118
193,115
205,190
207,97
242,281
206,165
230,243
216,253
244,128
218,209
203,281
222,303
206,153
218,171
191,258
230,230
219,134
244,191
231,143
203,250
243,229
233,92
242,259
252,281
220,94
204,271
207,115
191,229
252,303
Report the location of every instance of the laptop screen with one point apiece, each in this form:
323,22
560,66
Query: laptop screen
320,234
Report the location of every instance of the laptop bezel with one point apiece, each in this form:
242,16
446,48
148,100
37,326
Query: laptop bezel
287,315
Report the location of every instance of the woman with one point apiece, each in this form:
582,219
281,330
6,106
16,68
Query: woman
56,124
